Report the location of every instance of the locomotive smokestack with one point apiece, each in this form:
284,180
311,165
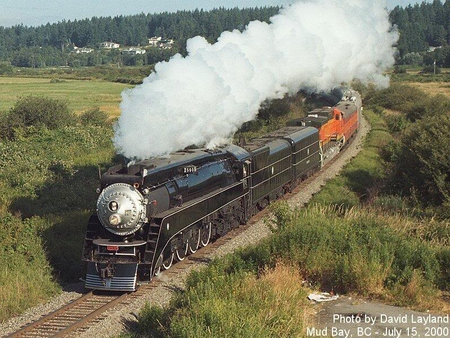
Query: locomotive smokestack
205,97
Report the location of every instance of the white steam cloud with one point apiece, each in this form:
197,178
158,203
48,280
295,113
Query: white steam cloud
205,97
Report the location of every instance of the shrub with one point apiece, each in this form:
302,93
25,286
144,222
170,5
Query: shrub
6,68
36,111
421,165
396,123
397,97
94,117
400,70
433,69
274,109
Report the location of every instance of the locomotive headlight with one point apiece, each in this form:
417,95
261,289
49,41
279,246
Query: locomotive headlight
114,220
113,206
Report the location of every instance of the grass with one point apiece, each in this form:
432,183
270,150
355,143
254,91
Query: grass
356,250
433,88
25,273
239,304
47,188
80,95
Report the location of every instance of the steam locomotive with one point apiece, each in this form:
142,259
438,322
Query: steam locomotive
154,212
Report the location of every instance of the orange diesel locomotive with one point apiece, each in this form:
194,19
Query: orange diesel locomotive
336,124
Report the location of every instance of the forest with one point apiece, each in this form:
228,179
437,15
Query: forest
52,44
424,35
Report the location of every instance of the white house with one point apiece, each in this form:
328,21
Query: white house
154,41
109,45
82,50
133,51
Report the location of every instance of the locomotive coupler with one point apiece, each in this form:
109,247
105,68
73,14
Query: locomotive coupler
107,272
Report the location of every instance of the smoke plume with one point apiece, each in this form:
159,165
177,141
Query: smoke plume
205,97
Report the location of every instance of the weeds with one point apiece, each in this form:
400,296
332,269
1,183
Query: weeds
47,182
220,304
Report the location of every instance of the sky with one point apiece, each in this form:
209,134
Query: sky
41,12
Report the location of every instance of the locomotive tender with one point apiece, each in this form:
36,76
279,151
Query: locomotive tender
154,212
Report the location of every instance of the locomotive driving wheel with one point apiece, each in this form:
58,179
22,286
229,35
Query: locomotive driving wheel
158,271
180,253
194,241
205,235
168,262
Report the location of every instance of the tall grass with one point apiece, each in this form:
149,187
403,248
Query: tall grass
356,250
47,188
239,304
334,249
25,274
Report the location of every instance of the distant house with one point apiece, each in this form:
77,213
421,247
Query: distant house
154,41
82,50
432,49
159,42
109,45
133,51
166,44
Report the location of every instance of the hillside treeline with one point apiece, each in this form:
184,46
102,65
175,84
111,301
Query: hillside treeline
423,26
50,45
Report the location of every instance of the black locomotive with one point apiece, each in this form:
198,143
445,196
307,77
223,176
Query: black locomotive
154,212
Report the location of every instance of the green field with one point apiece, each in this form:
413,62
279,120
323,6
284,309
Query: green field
80,95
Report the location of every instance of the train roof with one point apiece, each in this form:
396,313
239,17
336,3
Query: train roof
239,153
156,167
279,137
178,158
326,112
347,108
349,103
315,122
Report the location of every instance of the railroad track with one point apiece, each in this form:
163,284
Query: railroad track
71,317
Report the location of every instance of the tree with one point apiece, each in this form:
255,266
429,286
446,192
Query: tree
38,112
422,166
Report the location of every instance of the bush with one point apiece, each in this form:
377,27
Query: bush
397,97
94,117
396,123
274,109
400,70
36,111
432,69
6,68
421,166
